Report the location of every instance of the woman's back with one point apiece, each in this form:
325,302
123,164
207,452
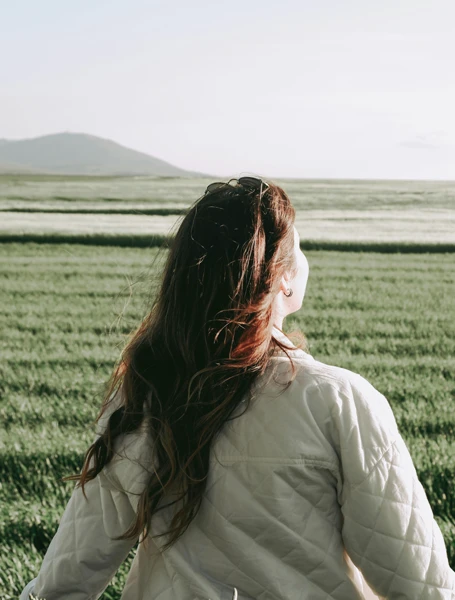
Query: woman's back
300,476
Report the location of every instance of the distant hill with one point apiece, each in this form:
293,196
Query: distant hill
81,154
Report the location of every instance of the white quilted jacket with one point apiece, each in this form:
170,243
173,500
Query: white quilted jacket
297,483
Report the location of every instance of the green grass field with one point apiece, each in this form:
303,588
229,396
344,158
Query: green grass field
68,303
66,309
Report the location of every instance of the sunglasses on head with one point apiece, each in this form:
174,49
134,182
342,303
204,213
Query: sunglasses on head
253,183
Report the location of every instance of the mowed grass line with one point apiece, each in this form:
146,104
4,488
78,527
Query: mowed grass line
66,310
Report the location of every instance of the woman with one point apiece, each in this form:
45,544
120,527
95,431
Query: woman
244,467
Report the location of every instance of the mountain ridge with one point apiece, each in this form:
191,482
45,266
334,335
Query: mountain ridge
69,153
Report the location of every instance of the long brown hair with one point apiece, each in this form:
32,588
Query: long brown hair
205,340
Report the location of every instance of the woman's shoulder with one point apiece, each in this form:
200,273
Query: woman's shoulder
351,399
356,417
361,415
311,371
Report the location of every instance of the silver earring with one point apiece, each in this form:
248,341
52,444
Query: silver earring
289,294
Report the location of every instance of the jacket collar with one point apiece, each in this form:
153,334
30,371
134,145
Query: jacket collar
277,334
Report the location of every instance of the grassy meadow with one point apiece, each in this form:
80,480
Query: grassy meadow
66,310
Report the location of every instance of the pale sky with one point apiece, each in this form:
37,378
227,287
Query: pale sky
292,88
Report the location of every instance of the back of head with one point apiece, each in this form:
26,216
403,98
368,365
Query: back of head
223,273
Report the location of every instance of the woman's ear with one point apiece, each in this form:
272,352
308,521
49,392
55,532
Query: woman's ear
285,282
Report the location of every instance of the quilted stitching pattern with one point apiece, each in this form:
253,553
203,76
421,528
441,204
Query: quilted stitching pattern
390,532
298,480
81,558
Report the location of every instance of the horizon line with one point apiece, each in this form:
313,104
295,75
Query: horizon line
280,177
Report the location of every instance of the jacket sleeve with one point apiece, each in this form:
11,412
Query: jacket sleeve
389,530
82,558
